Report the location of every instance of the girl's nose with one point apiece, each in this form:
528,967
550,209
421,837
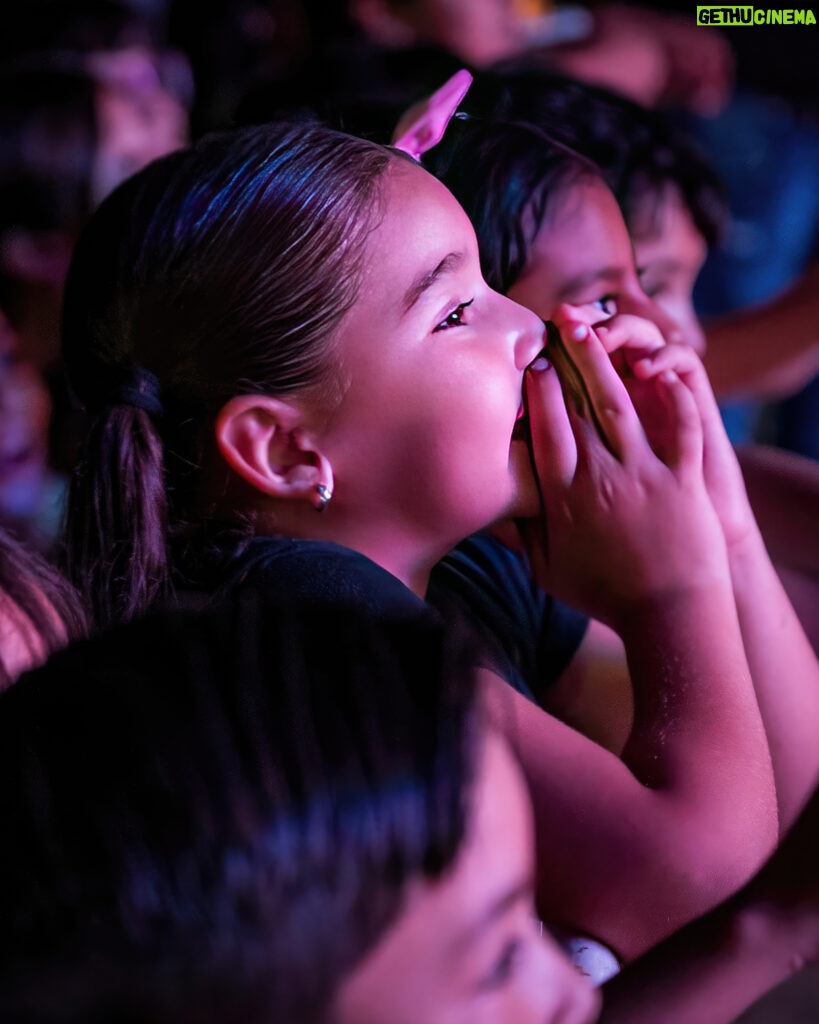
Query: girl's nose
529,334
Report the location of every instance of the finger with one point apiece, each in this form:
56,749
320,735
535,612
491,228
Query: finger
685,448
589,313
684,361
552,445
610,405
630,332
645,365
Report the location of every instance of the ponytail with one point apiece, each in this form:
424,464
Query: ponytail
117,548
218,270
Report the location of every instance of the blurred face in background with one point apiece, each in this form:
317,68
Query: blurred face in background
670,252
142,112
582,255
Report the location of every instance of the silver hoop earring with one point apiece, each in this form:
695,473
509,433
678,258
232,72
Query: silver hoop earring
324,497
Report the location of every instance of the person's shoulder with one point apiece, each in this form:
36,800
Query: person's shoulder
322,573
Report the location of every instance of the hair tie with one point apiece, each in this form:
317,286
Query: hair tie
139,388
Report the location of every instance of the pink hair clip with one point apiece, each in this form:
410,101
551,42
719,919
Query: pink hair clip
424,124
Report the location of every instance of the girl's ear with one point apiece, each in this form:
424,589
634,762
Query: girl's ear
262,440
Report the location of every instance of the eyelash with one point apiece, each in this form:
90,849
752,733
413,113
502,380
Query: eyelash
504,967
445,325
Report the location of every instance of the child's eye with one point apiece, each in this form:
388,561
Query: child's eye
504,967
455,318
606,304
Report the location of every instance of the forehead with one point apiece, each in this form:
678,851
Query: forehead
421,219
662,223
583,226
583,233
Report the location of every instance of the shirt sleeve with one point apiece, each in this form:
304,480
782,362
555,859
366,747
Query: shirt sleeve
527,636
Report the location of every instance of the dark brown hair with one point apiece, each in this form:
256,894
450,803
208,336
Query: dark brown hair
219,270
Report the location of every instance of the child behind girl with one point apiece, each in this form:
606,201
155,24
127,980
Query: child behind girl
288,321
551,234
264,814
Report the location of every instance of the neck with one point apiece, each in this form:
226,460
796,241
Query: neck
396,554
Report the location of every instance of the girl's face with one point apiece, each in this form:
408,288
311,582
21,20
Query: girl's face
582,255
670,252
467,949
432,359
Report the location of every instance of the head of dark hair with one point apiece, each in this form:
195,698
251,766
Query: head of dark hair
508,177
640,152
222,269
38,603
214,816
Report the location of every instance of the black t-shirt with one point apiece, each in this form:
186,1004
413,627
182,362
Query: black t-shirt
520,632
322,574
527,636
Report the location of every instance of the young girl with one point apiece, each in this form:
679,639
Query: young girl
206,822
551,232
300,378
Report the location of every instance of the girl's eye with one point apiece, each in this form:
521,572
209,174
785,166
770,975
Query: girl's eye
455,318
606,304
504,967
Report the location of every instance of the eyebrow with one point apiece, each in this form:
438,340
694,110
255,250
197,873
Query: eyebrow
427,280
496,909
589,278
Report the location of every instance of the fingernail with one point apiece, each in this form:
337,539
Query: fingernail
579,332
540,364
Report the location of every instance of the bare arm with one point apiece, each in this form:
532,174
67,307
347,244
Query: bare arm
744,361
713,969
782,662
629,849
783,489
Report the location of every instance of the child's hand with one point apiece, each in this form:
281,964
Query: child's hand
624,527
640,355
615,330
723,476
